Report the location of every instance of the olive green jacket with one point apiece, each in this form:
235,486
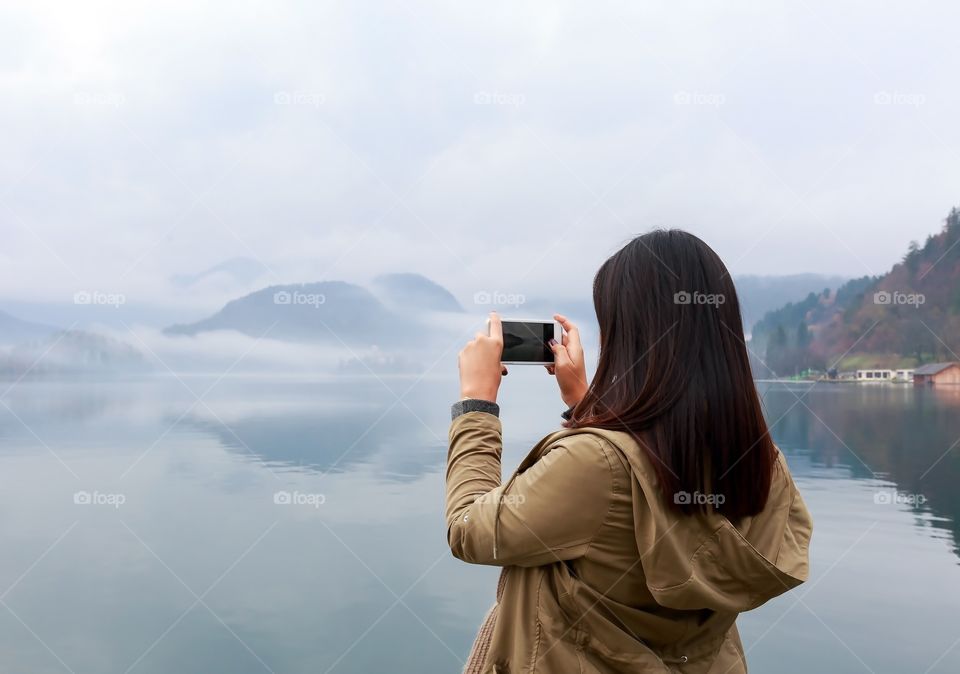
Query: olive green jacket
602,575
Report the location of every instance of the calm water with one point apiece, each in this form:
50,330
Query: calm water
183,561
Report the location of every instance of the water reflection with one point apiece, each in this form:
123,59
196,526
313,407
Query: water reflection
903,436
365,582
284,587
329,440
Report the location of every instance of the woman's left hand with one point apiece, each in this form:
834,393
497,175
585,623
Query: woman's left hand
480,368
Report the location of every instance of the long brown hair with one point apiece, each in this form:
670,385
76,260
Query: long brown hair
674,372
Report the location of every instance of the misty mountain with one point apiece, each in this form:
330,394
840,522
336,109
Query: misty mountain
14,331
415,292
331,312
324,311
72,352
760,294
757,295
240,270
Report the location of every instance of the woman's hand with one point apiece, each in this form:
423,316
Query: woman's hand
568,363
480,368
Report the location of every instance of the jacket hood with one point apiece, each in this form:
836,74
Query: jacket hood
704,561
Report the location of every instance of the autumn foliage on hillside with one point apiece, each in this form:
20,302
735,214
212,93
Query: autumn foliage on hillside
908,316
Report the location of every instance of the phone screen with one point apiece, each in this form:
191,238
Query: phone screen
526,342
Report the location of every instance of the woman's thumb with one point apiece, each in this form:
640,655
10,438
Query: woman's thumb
560,354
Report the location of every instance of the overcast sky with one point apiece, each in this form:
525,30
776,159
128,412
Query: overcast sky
499,146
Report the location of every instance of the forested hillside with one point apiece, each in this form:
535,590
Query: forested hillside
908,316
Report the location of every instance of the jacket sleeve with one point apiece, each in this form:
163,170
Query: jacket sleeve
550,512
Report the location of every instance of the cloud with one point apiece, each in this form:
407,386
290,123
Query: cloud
496,146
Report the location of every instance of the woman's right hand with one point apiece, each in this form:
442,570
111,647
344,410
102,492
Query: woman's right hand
568,364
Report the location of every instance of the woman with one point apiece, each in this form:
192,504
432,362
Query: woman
633,538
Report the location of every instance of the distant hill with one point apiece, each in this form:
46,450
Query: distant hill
760,294
300,312
332,312
757,295
413,291
909,315
241,270
789,326
14,331
72,351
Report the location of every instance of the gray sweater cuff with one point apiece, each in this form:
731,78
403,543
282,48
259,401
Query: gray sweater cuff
472,405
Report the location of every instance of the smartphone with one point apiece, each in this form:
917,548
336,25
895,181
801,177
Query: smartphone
526,342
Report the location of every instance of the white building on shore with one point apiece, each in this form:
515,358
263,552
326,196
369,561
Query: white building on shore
901,375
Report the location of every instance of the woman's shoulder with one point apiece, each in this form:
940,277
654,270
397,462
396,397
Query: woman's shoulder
593,450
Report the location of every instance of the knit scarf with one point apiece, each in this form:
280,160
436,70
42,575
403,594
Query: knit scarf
481,645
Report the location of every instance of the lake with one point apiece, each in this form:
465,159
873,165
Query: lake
295,525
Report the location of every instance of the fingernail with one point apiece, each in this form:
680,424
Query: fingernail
552,342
